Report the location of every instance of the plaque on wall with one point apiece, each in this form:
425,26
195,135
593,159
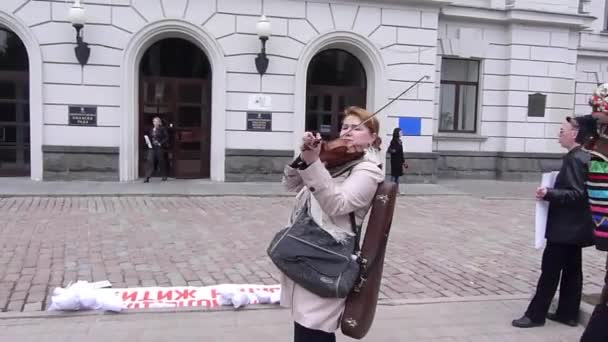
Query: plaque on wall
259,122
82,116
536,105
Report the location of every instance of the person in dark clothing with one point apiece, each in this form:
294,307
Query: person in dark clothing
569,229
397,160
156,155
597,143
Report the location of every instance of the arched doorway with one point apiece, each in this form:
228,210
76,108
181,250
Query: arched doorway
336,79
175,85
14,106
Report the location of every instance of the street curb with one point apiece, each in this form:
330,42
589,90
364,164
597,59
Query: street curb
585,311
382,302
260,195
143,195
70,314
421,301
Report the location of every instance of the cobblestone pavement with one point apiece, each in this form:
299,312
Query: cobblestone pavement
440,246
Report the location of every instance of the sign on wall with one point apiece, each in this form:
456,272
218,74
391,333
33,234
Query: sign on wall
537,103
259,102
410,125
257,121
82,116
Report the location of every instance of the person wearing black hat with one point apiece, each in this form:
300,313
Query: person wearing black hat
569,229
395,149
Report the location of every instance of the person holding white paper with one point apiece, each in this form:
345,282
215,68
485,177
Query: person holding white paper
156,154
569,229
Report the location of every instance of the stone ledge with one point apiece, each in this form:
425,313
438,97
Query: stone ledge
258,153
419,155
80,149
456,136
529,155
100,176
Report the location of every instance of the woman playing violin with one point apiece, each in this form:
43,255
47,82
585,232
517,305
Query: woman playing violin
331,189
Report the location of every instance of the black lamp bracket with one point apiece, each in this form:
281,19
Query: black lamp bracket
82,49
261,61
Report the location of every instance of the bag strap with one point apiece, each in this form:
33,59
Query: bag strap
353,221
357,231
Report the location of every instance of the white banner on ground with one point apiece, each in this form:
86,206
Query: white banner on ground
542,210
86,296
190,296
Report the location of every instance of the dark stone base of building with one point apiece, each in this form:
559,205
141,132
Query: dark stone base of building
256,165
428,167
101,164
263,165
80,163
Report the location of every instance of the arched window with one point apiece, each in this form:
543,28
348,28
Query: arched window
175,85
14,106
336,79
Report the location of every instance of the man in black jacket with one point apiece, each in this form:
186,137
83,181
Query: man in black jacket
569,229
156,156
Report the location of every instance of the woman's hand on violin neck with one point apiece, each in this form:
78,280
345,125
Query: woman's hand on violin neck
311,148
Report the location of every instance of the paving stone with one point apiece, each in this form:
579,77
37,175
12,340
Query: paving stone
16,305
33,307
440,246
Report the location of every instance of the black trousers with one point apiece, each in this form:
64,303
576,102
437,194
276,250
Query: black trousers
156,159
567,260
597,328
304,334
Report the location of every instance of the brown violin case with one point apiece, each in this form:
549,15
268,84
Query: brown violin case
361,302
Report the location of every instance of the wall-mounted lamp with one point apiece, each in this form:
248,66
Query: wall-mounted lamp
264,29
76,16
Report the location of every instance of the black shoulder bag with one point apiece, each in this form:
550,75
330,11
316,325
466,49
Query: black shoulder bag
313,259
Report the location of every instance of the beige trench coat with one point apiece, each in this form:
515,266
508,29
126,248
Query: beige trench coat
337,197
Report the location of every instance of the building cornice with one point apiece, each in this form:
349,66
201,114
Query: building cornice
588,52
593,44
517,16
421,3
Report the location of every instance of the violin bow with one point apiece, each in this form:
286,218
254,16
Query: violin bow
388,104
383,107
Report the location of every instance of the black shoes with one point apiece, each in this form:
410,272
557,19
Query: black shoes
526,322
147,180
554,317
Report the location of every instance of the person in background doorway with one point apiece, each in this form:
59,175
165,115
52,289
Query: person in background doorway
569,230
156,157
395,149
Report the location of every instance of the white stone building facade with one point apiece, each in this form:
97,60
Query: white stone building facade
503,76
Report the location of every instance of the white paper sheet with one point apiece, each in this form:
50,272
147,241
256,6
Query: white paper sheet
148,141
542,209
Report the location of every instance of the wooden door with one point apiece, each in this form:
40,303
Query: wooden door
14,124
325,107
184,107
192,129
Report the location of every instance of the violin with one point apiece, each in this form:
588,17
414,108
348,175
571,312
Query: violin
340,151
